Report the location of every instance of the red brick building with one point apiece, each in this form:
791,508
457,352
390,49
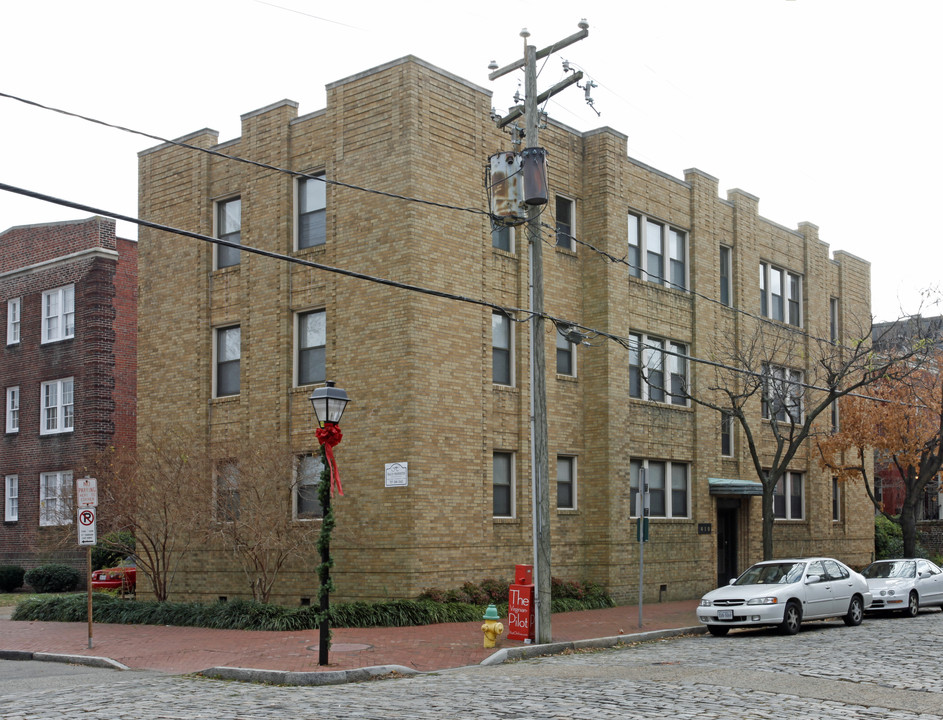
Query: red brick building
68,292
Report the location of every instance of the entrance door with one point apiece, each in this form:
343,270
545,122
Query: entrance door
728,514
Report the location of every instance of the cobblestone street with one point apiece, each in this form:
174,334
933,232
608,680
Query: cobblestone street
886,668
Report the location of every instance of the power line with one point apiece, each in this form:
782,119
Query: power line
477,211
510,312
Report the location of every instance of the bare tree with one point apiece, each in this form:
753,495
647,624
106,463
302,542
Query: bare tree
780,385
254,512
157,494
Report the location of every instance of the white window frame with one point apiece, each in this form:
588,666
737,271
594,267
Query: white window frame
784,388
565,348
565,231
300,348
569,463
57,406
510,457
13,409
789,295
226,501
11,498
300,186
667,489
727,424
726,275
217,349
498,321
14,311
644,246
651,354
231,236
58,311
783,493
305,484
836,500
55,508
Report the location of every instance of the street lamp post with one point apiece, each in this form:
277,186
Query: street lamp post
328,403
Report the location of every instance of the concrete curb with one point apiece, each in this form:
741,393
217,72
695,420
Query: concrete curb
281,677
531,651
87,660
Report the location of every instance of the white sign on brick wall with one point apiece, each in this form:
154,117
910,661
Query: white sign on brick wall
397,474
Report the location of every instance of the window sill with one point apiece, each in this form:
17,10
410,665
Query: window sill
571,512
227,270
224,399
509,254
55,434
660,405
506,520
311,250
503,388
565,251
567,378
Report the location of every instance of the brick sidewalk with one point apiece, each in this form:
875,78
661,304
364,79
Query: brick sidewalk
431,647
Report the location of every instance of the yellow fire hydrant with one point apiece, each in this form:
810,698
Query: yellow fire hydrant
491,628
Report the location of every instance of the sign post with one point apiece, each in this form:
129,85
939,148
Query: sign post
86,498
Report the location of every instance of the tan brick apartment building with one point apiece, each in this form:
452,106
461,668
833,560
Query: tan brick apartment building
236,342
68,291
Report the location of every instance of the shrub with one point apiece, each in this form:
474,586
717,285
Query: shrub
888,539
52,578
11,577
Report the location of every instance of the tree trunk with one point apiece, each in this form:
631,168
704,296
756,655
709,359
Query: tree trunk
908,527
768,520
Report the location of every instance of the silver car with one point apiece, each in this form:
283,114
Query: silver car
904,585
783,593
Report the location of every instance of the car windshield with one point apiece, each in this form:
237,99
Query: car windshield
772,573
896,569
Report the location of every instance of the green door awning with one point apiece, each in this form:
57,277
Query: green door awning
725,486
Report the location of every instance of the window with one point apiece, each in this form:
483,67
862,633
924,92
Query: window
788,497
780,294
13,321
228,353
502,237
59,314
652,244
668,487
13,409
11,499
503,484
566,482
647,365
782,394
227,491
501,349
564,209
566,355
726,277
726,434
308,479
55,498
312,211
312,334
58,409
836,500
229,228
833,319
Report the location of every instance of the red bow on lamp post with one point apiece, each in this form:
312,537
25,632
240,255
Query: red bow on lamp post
329,436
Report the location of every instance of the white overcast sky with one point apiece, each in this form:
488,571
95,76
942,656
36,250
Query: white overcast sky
827,110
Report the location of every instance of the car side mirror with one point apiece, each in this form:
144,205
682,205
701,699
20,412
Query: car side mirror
812,579
924,574
732,581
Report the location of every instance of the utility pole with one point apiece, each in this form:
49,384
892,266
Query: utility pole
538,372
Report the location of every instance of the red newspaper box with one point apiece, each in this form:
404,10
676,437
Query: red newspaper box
521,604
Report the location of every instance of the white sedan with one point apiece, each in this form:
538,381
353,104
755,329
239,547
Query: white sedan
904,585
784,593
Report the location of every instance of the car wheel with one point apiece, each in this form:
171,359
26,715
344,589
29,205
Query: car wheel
717,630
792,619
855,611
913,605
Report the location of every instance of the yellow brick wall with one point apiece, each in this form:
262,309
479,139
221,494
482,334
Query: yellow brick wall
418,368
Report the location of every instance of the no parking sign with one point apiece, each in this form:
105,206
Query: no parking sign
88,534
